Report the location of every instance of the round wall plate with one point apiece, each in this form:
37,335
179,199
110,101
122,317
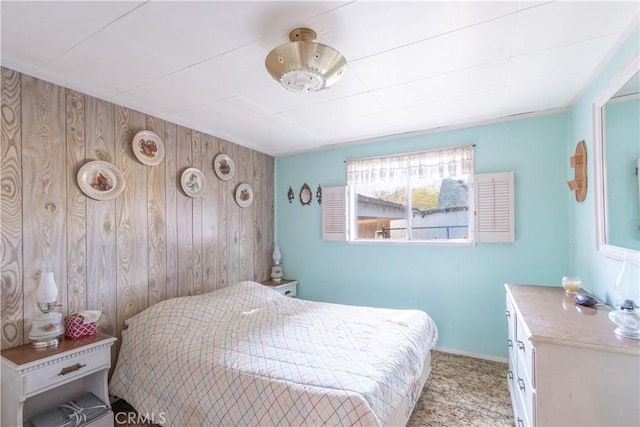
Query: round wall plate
193,182
224,167
244,195
100,180
148,148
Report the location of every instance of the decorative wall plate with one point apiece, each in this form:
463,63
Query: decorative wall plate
224,167
148,148
305,195
100,180
193,182
244,195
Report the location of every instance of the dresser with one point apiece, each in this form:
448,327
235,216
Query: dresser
36,380
566,365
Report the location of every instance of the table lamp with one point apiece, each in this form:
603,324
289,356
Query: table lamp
47,327
276,270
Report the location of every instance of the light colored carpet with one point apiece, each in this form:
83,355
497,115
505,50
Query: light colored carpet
461,391
464,391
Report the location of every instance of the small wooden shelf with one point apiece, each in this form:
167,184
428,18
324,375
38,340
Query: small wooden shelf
579,163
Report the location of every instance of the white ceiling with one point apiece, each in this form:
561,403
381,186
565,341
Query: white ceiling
413,66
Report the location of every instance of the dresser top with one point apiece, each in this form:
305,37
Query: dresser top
26,354
552,316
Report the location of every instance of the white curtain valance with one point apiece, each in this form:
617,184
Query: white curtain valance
441,163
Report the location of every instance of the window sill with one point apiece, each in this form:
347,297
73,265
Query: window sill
386,242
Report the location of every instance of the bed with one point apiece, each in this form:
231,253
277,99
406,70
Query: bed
246,355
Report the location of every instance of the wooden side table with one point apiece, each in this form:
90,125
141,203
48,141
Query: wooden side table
36,380
288,288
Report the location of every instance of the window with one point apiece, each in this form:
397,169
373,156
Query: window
423,197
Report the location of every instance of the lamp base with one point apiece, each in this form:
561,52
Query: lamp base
44,344
45,329
276,273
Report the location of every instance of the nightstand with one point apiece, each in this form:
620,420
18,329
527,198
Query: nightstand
288,288
36,380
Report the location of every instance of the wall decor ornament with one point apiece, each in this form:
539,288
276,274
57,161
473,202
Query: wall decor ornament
290,195
100,180
148,148
244,195
224,167
305,195
579,163
319,194
193,182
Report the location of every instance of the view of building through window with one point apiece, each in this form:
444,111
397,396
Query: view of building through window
423,196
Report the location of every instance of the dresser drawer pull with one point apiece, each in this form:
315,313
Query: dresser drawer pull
509,343
520,422
506,312
510,375
521,384
287,292
71,368
520,345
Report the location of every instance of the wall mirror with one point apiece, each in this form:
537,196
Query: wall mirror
617,158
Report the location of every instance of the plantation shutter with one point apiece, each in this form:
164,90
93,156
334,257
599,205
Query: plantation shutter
334,220
494,204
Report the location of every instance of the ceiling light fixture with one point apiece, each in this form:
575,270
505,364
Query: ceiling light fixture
304,65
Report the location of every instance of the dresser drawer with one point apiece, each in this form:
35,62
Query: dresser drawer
66,370
525,353
511,316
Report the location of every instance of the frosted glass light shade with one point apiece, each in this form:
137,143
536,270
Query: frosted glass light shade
277,256
47,289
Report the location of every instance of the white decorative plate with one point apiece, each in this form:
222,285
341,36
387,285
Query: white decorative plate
244,195
100,180
148,148
193,182
224,167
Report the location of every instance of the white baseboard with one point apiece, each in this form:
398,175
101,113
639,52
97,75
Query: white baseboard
476,355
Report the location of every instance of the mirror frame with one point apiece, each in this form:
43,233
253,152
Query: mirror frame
600,167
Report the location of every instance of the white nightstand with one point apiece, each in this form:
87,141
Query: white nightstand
288,288
36,380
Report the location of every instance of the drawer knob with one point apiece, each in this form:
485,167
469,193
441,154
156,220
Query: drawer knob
510,375
509,343
71,368
520,345
287,292
506,312
520,422
521,384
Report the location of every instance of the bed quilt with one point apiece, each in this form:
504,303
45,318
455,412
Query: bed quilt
246,355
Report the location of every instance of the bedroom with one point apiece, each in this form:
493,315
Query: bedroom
97,257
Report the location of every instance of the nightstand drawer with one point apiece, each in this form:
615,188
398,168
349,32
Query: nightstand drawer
66,370
289,290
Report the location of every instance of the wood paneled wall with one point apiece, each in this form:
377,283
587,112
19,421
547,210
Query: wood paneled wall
150,243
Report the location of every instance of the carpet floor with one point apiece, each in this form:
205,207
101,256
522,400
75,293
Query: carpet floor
464,391
461,391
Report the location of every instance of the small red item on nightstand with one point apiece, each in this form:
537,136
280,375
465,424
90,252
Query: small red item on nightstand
76,328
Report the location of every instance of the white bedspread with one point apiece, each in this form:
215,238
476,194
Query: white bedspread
246,355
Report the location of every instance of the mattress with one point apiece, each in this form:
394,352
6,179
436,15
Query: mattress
246,355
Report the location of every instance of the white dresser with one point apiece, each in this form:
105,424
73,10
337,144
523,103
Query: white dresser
566,365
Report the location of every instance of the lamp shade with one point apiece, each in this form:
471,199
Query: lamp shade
276,255
47,290
303,65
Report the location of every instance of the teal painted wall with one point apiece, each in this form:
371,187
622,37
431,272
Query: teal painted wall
597,271
460,287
